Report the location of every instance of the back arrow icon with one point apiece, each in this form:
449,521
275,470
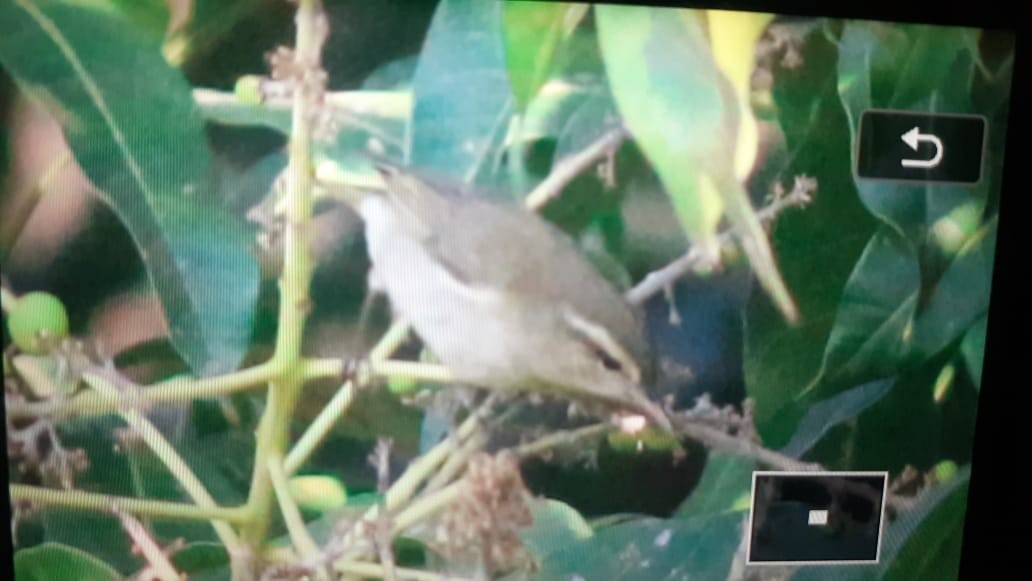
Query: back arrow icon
915,137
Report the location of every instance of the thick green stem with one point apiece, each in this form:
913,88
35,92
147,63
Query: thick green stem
421,468
164,451
303,542
274,428
458,460
93,501
92,403
319,428
341,401
427,506
158,565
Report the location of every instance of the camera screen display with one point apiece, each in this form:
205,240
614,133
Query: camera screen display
492,290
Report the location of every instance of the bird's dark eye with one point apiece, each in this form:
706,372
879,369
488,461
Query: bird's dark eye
606,359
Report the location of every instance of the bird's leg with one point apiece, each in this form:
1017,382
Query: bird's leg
353,363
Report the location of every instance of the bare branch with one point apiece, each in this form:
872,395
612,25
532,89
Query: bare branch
158,565
564,438
570,167
658,280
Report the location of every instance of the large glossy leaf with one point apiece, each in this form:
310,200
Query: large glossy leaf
961,295
647,549
203,561
726,485
685,116
825,415
915,538
875,316
917,68
972,347
150,16
933,550
462,98
533,32
220,454
131,123
817,246
555,526
674,101
56,562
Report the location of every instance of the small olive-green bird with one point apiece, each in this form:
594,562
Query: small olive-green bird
502,298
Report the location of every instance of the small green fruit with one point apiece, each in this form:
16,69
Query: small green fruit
647,439
248,90
402,385
945,470
318,493
953,230
36,321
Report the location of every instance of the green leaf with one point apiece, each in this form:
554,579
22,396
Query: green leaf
726,480
555,526
533,32
917,68
150,16
826,414
875,315
972,347
203,561
700,549
219,453
684,115
674,101
395,75
917,535
827,237
960,297
131,122
933,551
57,562
574,107
914,522
461,92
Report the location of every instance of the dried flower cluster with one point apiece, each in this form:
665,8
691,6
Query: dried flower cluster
36,449
483,525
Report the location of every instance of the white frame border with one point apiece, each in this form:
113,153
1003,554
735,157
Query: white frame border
752,507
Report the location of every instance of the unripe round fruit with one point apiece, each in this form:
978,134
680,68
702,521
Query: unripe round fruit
945,470
37,319
248,89
318,493
647,439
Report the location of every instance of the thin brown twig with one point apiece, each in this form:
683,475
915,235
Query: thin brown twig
721,441
657,280
564,438
570,167
158,564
